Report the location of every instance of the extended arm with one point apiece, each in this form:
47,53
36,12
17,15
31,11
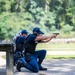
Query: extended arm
45,38
44,41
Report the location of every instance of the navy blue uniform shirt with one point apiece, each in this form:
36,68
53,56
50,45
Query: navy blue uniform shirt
30,44
20,42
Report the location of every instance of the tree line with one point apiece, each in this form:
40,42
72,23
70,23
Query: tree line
49,15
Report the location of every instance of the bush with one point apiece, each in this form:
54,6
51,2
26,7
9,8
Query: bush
67,29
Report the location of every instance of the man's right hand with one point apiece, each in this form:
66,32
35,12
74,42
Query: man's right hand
55,35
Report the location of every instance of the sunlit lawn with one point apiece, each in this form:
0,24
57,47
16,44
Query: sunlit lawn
59,46
60,56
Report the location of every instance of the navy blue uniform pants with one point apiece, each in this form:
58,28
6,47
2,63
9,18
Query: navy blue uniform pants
35,60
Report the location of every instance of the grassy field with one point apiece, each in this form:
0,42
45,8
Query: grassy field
60,56
59,46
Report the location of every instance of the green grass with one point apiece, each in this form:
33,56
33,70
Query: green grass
60,47
60,57
4,56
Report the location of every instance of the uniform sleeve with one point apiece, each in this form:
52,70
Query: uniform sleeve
32,38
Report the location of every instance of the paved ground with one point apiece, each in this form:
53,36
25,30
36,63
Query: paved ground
55,67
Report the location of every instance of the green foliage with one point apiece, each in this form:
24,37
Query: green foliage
42,18
67,29
11,23
49,15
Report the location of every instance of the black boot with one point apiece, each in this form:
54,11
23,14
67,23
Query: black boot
19,64
41,68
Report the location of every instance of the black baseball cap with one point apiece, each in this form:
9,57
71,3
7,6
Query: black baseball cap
36,29
24,32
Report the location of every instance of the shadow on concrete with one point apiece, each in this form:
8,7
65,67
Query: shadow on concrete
55,67
3,70
60,66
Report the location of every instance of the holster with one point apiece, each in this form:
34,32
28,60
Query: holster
28,56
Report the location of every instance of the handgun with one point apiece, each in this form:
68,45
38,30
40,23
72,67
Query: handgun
56,33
